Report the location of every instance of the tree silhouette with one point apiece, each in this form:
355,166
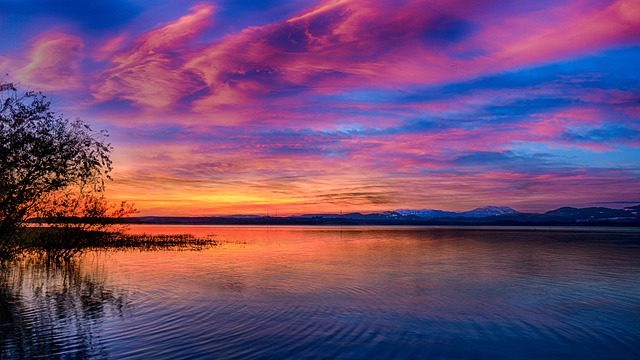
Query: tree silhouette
43,154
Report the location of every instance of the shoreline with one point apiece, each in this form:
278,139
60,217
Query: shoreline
537,228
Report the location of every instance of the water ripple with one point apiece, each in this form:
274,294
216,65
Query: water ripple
330,293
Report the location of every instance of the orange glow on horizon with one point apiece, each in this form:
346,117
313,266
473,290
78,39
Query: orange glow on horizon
220,108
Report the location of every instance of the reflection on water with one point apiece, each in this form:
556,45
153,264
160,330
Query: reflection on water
327,292
54,310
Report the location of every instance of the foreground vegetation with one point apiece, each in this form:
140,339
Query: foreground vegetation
53,170
65,243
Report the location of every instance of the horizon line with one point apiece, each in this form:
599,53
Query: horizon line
340,213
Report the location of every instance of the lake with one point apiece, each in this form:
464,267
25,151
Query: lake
332,292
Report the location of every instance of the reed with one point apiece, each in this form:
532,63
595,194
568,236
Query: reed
64,243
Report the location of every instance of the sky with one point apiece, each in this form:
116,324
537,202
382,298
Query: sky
257,107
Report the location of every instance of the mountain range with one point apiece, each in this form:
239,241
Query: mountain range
488,215
475,213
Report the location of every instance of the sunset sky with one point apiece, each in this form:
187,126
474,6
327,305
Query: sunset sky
248,107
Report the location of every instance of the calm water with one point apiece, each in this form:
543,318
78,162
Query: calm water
330,292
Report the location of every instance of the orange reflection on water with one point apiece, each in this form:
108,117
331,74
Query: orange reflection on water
292,259
354,292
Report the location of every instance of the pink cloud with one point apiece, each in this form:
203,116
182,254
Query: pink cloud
110,47
150,72
616,24
340,45
51,63
345,44
296,76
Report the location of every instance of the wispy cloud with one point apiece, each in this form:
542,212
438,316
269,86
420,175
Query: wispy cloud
363,105
150,72
51,62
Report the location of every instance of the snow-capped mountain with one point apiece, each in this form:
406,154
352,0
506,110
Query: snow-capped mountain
426,213
488,211
479,212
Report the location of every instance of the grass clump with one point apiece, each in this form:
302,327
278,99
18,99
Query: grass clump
64,243
158,241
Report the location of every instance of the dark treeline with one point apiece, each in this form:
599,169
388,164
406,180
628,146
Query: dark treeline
565,216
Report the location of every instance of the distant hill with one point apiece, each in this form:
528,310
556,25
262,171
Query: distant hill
488,215
591,213
633,209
